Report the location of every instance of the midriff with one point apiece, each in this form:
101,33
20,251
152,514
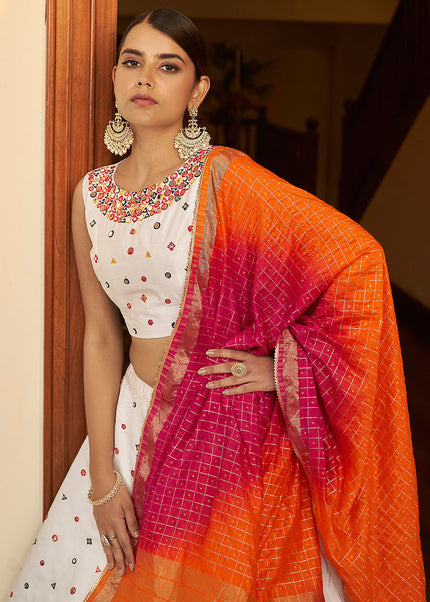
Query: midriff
146,356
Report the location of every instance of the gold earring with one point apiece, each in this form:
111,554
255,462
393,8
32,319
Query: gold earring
118,135
192,138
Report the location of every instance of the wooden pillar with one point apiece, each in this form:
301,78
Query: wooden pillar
81,46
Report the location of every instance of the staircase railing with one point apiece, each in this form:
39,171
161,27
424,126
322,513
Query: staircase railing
395,90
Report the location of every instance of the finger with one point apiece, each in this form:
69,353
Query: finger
131,521
118,554
233,354
125,543
231,381
220,368
245,388
127,550
109,557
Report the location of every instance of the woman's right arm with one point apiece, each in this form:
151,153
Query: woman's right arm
103,357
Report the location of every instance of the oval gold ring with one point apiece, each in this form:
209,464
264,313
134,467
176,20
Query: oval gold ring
239,369
104,540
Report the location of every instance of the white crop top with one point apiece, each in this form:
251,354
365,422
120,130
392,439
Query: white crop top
140,243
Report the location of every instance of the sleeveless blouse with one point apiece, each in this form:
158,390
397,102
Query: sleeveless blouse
140,243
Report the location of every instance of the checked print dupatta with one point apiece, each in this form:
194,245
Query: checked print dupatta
233,492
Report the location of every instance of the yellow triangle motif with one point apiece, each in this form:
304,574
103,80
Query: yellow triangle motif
113,260
148,254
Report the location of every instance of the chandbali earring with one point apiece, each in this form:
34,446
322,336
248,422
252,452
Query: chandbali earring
192,138
118,134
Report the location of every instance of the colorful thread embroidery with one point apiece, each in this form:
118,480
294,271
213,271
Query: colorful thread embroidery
122,206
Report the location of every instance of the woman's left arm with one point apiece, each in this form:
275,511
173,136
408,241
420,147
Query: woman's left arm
258,372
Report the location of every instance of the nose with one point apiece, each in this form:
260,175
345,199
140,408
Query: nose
145,77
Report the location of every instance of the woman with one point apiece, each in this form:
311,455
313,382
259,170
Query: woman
264,397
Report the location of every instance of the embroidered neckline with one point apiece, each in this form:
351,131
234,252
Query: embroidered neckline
122,206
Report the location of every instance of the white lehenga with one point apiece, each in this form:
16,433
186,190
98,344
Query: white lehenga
67,558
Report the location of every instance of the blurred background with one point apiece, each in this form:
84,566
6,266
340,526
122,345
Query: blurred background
331,95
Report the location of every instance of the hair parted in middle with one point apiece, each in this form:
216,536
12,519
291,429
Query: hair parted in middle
178,27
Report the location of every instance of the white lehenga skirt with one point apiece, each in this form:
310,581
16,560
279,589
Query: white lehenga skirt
67,558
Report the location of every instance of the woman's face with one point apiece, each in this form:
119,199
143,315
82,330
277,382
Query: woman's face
154,80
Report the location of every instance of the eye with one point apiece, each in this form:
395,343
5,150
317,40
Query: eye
131,63
170,68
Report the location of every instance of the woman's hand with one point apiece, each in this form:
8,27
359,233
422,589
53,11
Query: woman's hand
116,520
259,372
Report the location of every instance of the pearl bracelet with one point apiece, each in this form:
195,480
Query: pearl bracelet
112,493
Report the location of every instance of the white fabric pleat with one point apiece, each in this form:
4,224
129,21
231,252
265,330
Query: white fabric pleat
333,586
67,558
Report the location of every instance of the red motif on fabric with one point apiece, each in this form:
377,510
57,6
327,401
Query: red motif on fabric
120,205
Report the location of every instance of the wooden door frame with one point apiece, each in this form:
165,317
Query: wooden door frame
81,46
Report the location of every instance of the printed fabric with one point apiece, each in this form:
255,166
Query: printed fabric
235,493
140,243
67,558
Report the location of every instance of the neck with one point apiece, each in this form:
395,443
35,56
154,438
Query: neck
153,149
152,157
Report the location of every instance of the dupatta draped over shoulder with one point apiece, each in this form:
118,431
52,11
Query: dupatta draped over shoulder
237,494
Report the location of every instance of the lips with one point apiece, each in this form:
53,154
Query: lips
143,100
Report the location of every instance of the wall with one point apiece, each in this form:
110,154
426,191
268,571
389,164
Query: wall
356,46
299,59
312,69
399,214
325,11
22,74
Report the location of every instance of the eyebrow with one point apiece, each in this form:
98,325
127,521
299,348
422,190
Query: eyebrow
161,56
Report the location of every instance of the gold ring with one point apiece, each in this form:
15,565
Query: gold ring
239,369
104,540
110,538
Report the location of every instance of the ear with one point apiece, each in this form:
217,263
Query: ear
200,90
113,73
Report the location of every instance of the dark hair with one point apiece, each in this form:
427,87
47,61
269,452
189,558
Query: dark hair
180,29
